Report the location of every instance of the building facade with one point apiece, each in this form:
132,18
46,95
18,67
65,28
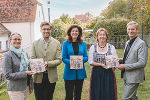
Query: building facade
21,16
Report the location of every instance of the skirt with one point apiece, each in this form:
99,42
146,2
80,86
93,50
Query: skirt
103,84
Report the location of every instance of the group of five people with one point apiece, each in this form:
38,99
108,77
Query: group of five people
16,69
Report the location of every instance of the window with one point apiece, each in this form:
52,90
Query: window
7,45
0,45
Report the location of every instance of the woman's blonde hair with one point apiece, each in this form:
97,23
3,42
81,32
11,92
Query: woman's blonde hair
98,32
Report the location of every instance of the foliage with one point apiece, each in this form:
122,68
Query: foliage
93,22
115,26
58,28
61,25
140,12
137,10
116,8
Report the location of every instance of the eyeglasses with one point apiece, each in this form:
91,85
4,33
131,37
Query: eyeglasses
16,39
44,29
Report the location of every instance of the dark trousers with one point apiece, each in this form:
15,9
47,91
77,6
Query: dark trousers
73,87
44,90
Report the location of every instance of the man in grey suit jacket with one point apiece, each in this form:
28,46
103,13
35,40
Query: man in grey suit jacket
134,61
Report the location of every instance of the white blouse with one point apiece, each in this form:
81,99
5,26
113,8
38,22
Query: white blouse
92,49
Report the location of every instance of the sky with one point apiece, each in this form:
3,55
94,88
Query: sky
75,7
72,8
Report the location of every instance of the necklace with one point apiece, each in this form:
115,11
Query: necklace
102,47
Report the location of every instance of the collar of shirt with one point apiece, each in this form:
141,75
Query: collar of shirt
46,43
131,41
48,40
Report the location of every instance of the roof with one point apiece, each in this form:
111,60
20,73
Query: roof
3,29
82,18
17,11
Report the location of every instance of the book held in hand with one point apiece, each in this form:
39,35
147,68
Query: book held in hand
76,62
112,61
37,65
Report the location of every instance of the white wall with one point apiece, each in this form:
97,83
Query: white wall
39,18
3,39
25,29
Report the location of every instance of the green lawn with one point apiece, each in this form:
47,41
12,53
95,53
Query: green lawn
143,91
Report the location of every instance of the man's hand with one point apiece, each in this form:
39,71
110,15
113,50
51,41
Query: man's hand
46,64
30,72
121,67
120,60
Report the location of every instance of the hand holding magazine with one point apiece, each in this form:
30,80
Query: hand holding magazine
76,62
112,61
37,65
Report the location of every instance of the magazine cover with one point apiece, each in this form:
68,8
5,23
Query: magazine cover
37,65
112,61
76,62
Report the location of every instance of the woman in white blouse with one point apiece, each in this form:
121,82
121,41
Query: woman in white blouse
103,81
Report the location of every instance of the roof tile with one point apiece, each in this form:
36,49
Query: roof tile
17,10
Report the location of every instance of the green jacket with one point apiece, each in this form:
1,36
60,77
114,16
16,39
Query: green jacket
53,55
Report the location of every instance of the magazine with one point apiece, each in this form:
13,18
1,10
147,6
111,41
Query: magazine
112,61
37,65
76,62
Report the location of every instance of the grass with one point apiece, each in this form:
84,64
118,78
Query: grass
143,90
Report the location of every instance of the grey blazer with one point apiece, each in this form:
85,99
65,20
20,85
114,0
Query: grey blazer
16,81
136,61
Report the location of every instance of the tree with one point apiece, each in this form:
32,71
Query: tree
130,9
64,17
140,12
115,26
60,26
93,22
116,8
89,15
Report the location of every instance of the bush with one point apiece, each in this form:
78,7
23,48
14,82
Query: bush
115,26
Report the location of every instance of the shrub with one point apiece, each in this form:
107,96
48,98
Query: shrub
115,26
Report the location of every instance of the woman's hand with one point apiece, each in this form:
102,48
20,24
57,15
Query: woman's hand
30,91
113,69
30,72
99,65
120,60
104,66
